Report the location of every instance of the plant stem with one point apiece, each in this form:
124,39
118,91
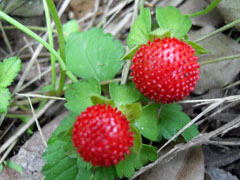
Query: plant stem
35,28
50,39
205,11
219,59
61,42
17,116
219,30
5,38
40,40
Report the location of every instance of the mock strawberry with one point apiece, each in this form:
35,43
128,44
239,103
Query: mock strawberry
102,135
165,70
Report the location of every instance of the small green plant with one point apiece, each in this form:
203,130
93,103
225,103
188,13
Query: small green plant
93,151
9,69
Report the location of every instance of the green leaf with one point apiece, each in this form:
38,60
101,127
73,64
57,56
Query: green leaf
127,167
140,29
137,141
131,52
70,27
148,153
132,111
172,119
58,165
78,95
1,168
8,70
147,123
171,18
65,125
101,100
47,88
123,94
14,166
93,54
160,33
103,173
84,170
4,102
198,49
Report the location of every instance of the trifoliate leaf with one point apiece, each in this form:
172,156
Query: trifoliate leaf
123,94
140,29
147,123
101,100
171,18
93,54
198,49
4,99
172,119
70,27
8,70
133,161
78,95
14,166
132,111
58,165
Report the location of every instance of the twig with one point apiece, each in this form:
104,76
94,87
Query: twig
118,10
37,123
94,14
40,96
32,52
198,140
23,127
6,39
126,67
210,108
8,151
232,24
210,101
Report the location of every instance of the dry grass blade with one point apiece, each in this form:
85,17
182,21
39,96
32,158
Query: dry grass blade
37,123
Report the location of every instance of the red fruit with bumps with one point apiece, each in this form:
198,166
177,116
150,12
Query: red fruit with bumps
165,70
102,135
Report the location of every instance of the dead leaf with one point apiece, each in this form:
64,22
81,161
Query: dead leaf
230,10
216,75
186,165
220,174
81,7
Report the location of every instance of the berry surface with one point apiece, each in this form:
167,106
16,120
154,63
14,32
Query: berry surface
165,70
102,135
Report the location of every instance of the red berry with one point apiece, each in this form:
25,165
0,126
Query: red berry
165,70
102,135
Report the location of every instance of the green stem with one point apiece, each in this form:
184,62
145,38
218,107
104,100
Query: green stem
205,11
40,40
219,30
34,28
5,38
220,59
50,39
18,116
61,42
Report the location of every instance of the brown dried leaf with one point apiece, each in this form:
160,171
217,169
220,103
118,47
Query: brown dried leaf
186,165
